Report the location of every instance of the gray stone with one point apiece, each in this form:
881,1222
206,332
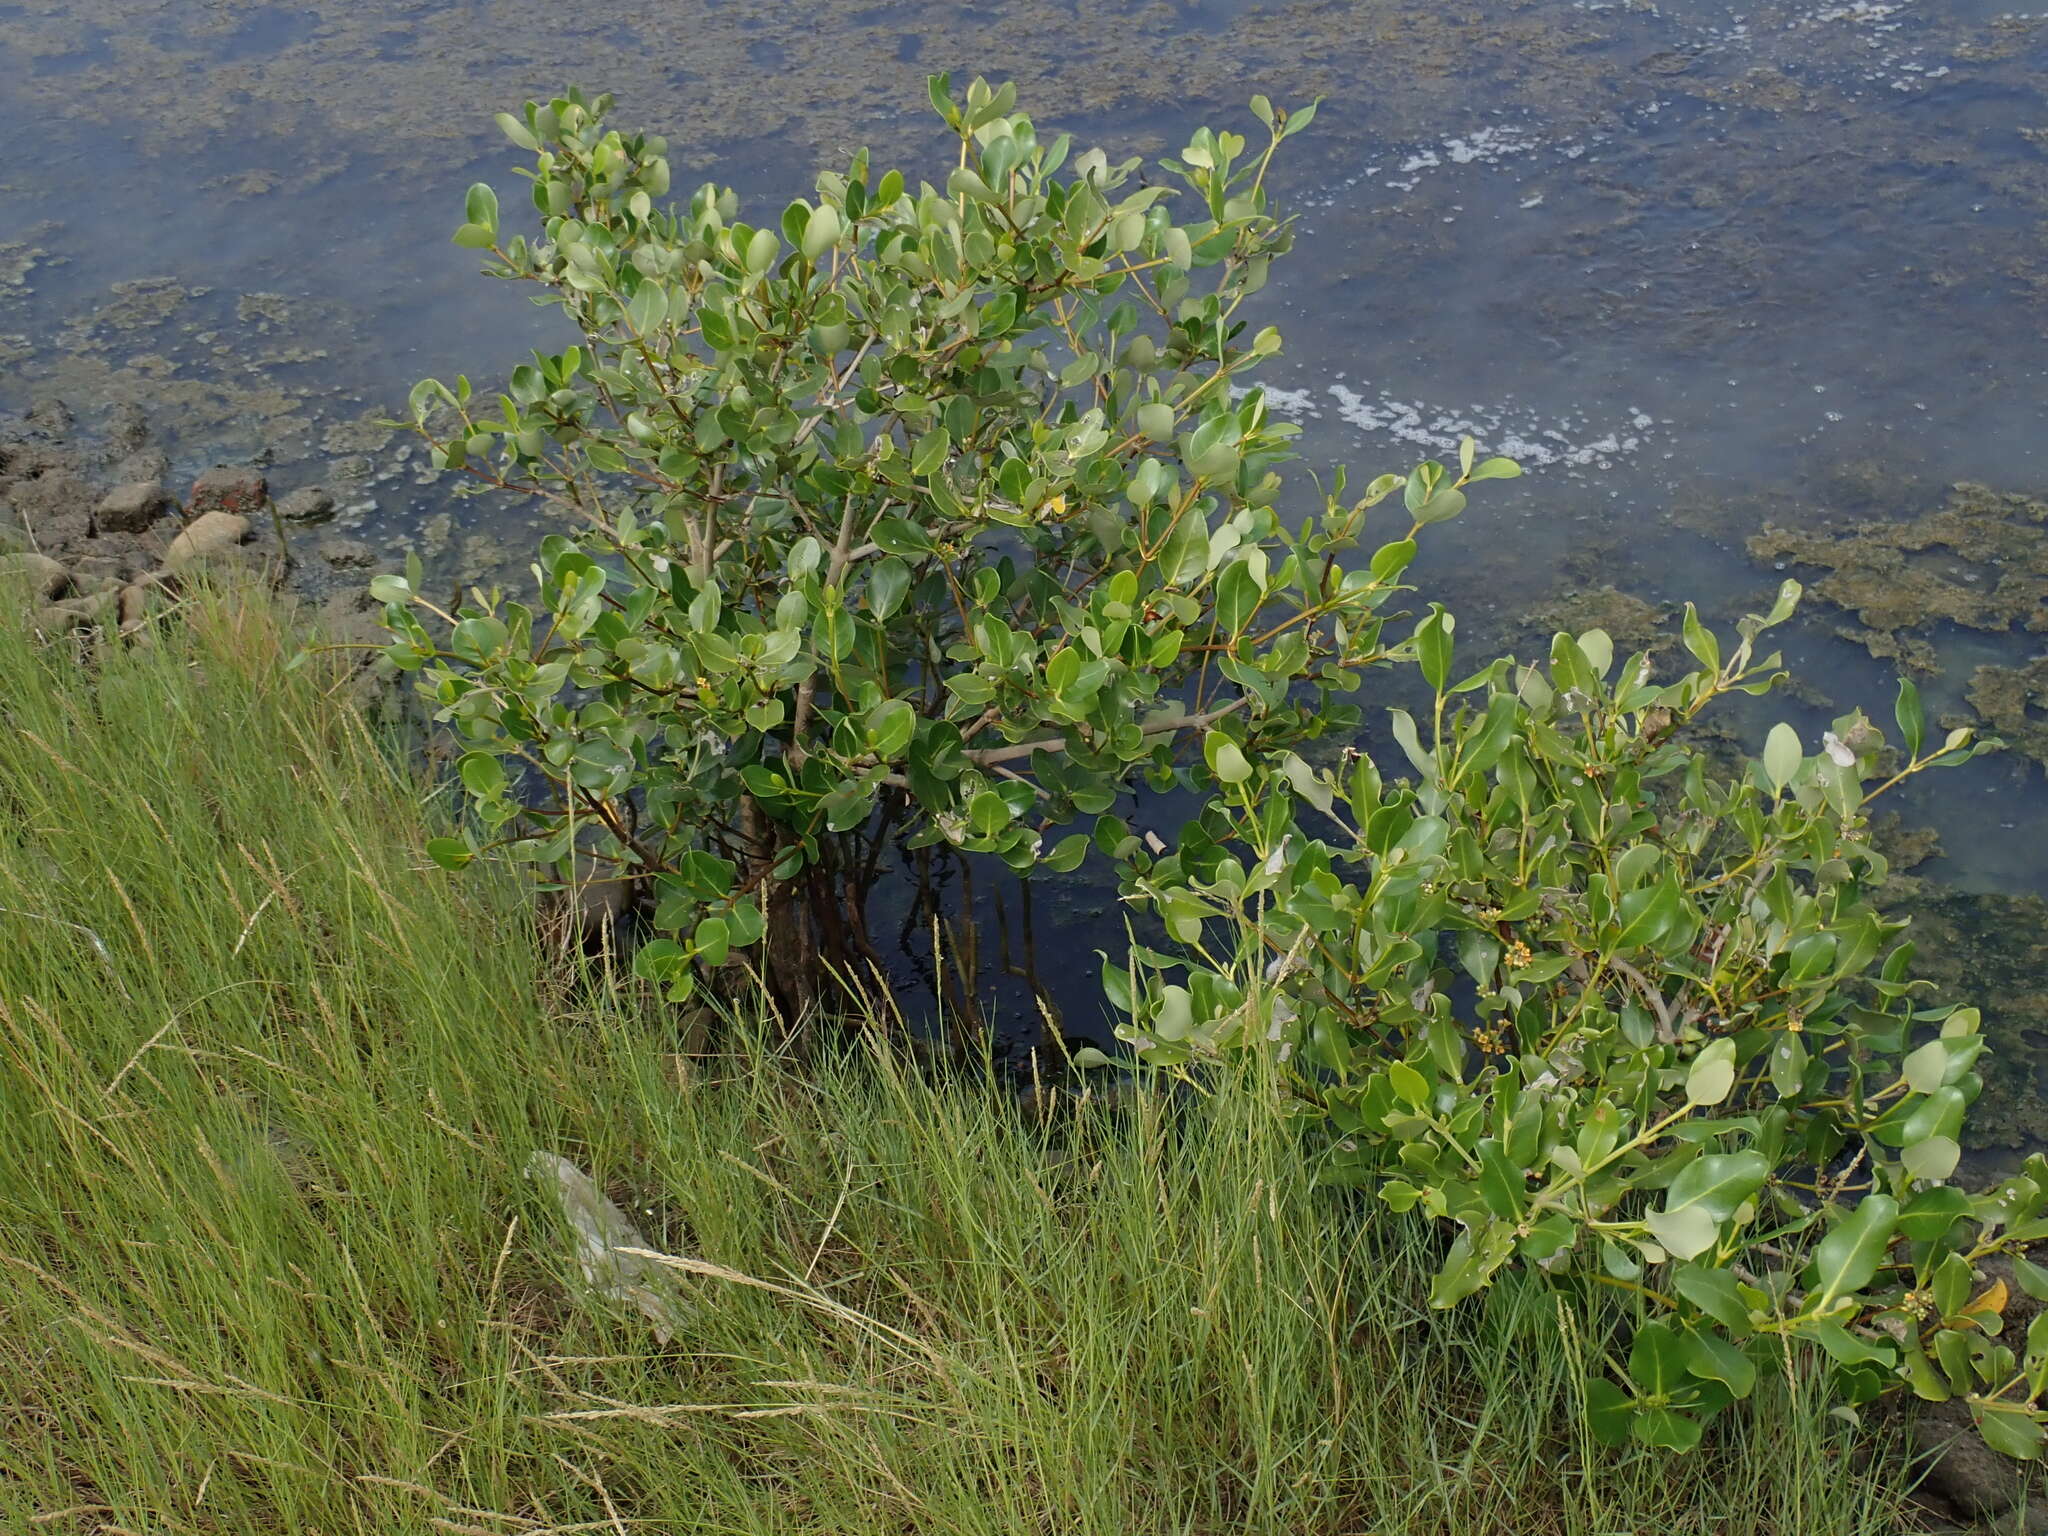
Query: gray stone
94,608
56,619
346,554
127,429
210,538
14,540
135,603
309,504
94,571
22,457
45,576
1964,1474
50,416
241,492
133,507
54,504
143,464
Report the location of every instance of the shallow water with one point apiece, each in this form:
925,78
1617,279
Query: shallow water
1700,265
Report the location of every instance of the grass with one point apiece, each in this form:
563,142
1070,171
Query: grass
269,1261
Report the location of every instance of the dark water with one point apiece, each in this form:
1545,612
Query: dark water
1700,265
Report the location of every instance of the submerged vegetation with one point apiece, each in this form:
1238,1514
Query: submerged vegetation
278,1265
1977,562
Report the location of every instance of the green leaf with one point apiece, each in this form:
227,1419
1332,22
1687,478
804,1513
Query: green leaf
1781,756
1609,1411
1685,1233
1934,1158
1927,1217
888,582
1433,644
895,536
2014,1432
1156,421
1712,1358
516,131
1410,1086
1712,1074
2033,1279
1911,717
1440,508
1656,1360
1941,1061
1495,469
822,232
929,456
1237,597
1700,641
660,960
480,206
713,940
1666,1430
890,725
449,852
1715,1292
482,774
1226,760
1851,1252
1718,1183
988,813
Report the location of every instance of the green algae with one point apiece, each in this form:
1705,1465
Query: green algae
1632,623
2014,702
1979,561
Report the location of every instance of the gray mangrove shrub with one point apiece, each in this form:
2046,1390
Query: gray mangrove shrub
942,514
1618,1017
933,512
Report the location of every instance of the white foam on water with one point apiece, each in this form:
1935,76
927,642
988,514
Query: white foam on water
1569,442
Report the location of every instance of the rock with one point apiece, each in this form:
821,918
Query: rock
133,507
55,619
143,464
127,429
133,605
1964,1474
51,417
93,609
309,504
46,577
92,572
22,457
211,537
14,540
346,554
55,504
241,492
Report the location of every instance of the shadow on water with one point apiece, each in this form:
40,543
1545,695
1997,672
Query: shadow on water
1703,268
